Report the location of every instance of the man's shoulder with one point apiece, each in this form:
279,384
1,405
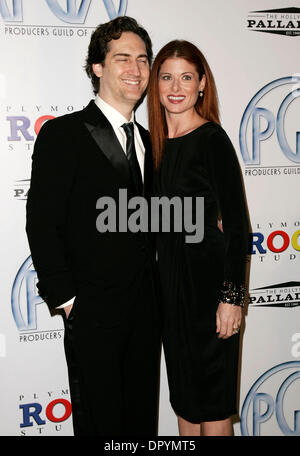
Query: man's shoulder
64,121
70,121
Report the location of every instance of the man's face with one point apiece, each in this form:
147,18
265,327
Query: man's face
125,73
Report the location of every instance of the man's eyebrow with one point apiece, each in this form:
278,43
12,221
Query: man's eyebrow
124,54
121,54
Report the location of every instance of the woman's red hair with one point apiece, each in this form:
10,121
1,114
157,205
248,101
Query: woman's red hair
206,106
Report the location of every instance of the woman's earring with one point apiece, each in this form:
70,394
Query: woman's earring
201,93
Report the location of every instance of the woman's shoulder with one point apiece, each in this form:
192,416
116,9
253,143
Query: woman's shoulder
215,135
211,143
206,131
209,135
213,129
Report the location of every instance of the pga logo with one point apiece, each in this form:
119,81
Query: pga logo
24,297
268,116
270,403
74,13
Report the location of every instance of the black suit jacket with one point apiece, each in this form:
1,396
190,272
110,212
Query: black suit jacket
77,159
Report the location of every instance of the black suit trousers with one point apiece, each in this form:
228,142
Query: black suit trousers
114,370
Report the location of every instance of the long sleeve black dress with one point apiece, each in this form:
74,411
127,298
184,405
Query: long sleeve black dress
195,277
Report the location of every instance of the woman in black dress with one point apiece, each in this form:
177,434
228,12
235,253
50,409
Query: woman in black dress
202,283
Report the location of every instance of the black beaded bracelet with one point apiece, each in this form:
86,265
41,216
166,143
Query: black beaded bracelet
233,294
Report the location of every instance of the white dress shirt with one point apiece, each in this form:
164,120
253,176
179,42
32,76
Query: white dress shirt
116,119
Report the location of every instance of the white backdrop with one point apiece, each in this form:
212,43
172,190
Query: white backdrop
253,51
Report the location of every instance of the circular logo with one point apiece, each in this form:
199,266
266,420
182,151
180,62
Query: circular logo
270,403
24,297
266,117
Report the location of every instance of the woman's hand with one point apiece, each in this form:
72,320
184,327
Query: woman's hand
228,320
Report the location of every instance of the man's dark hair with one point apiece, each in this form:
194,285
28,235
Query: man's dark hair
101,37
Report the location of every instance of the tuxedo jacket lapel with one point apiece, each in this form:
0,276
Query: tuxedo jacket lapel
104,136
148,162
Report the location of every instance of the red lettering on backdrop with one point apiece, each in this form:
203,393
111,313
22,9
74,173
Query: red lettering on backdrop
50,407
286,241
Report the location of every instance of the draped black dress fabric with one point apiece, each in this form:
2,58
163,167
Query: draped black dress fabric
202,369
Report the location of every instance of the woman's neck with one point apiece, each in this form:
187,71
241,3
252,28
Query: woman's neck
183,123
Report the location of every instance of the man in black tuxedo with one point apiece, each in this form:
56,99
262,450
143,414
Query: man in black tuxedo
106,281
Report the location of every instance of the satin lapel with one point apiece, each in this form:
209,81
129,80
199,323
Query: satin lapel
148,163
104,136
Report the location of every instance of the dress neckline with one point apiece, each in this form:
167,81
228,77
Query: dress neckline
191,132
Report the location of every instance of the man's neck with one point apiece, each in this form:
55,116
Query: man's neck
123,109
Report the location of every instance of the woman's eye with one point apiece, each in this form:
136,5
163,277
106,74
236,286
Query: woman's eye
165,77
186,77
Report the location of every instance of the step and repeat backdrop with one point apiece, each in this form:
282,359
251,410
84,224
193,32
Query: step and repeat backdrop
253,50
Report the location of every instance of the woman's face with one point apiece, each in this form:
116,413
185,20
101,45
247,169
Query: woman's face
179,85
